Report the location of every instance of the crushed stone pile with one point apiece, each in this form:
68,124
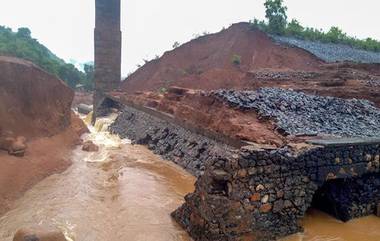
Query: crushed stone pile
297,113
331,52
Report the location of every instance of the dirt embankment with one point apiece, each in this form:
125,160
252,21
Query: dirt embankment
36,106
197,109
174,83
33,102
207,62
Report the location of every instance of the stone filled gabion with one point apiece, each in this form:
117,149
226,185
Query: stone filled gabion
297,113
350,198
331,52
264,193
253,193
183,147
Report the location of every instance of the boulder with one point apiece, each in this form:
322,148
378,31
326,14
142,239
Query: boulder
89,146
14,146
39,233
18,146
84,109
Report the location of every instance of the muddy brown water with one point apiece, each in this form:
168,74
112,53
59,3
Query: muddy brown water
125,192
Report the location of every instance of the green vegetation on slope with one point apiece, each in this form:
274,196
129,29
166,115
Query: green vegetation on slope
277,23
20,44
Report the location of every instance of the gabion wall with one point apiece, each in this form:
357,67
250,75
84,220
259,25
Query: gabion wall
253,193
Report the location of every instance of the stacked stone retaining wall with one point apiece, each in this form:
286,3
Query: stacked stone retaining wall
173,142
250,193
259,194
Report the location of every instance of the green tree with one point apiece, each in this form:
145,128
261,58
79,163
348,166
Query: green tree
335,35
277,24
88,81
294,28
276,15
24,33
176,45
20,44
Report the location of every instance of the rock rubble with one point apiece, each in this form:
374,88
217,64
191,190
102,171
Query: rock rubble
331,52
297,113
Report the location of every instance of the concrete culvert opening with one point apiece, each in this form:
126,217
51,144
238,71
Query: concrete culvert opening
108,106
349,198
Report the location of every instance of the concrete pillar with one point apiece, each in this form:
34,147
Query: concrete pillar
107,49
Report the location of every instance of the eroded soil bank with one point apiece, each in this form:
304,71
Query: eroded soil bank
36,125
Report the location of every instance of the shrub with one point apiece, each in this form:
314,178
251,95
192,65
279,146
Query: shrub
236,59
176,45
163,90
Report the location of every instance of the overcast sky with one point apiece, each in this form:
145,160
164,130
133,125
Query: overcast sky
150,27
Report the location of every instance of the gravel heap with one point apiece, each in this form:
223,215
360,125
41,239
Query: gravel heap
283,75
331,52
297,113
373,82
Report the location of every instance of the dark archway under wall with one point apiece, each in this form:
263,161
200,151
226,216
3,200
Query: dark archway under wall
349,198
107,105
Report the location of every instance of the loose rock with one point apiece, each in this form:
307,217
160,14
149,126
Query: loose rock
89,146
39,233
84,109
331,52
297,113
14,146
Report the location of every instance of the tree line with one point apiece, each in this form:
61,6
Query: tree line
277,23
21,44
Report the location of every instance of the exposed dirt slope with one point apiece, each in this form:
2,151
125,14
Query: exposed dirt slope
198,110
36,106
206,62
33,103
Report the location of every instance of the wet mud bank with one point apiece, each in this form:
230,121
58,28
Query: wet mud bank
255,192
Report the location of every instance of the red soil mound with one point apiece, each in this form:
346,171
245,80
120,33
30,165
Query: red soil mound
33,103
206,63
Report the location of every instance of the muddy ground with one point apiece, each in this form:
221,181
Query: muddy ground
45,156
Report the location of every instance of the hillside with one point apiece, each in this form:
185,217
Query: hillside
208,62
21,44
244,58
